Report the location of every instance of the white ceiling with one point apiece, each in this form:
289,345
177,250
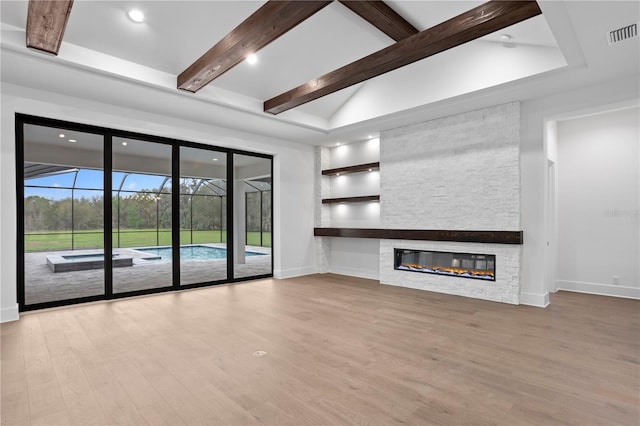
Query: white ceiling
564,48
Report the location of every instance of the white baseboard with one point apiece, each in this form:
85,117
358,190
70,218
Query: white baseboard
355,272
9,314
600,289
295,272
534,299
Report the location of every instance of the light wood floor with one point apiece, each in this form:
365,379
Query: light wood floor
339,351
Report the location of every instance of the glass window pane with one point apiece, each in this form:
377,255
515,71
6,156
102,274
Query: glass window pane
61,179
90,179
88,219
141,215
139,182
203,251
266,218
64,227
254,218
252,242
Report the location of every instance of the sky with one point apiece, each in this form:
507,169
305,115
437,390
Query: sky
51,187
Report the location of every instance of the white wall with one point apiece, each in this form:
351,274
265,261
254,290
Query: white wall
535,114
294,248
533,169
599,203
467,68
357,257
355,184
355,215
367,151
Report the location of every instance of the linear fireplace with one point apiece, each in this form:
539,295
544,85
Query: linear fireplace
464,265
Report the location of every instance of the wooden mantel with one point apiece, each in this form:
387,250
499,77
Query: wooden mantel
499,237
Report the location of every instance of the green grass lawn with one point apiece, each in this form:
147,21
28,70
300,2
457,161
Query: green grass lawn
130,238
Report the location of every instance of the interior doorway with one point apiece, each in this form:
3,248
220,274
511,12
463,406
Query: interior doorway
592,203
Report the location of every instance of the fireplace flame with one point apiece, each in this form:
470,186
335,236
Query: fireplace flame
476,273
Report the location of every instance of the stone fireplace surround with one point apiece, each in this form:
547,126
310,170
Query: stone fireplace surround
450,184
459,172
504,289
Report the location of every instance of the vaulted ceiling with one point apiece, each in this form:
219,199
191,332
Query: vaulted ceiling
564,47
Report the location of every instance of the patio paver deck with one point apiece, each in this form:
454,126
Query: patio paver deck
43,285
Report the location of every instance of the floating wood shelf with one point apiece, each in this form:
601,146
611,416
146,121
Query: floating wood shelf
351,199
352,169
500,237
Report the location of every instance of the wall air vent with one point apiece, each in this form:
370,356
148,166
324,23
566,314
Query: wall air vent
624,33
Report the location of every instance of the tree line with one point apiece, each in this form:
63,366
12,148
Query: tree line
141,210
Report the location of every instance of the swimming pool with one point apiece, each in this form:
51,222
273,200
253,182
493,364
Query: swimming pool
195,252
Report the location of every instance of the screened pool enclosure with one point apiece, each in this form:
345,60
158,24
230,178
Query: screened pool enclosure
63,209
108,213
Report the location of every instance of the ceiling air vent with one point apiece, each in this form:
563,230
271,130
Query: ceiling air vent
616,36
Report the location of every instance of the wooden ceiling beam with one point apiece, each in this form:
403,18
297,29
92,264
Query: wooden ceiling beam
475,23
268,23
383,17
46,22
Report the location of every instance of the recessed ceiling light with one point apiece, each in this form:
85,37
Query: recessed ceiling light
136,16
370,136
61,135
338,144
214,159
506,37
252,59
124,143
73,140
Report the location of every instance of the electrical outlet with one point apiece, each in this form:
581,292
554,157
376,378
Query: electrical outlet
616,280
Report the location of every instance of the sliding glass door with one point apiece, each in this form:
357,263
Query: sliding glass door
108,213
203,227
62,214
141,218
251,216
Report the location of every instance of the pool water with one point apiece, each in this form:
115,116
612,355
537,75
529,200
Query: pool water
192,253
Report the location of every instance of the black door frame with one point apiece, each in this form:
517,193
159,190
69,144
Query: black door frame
108,135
